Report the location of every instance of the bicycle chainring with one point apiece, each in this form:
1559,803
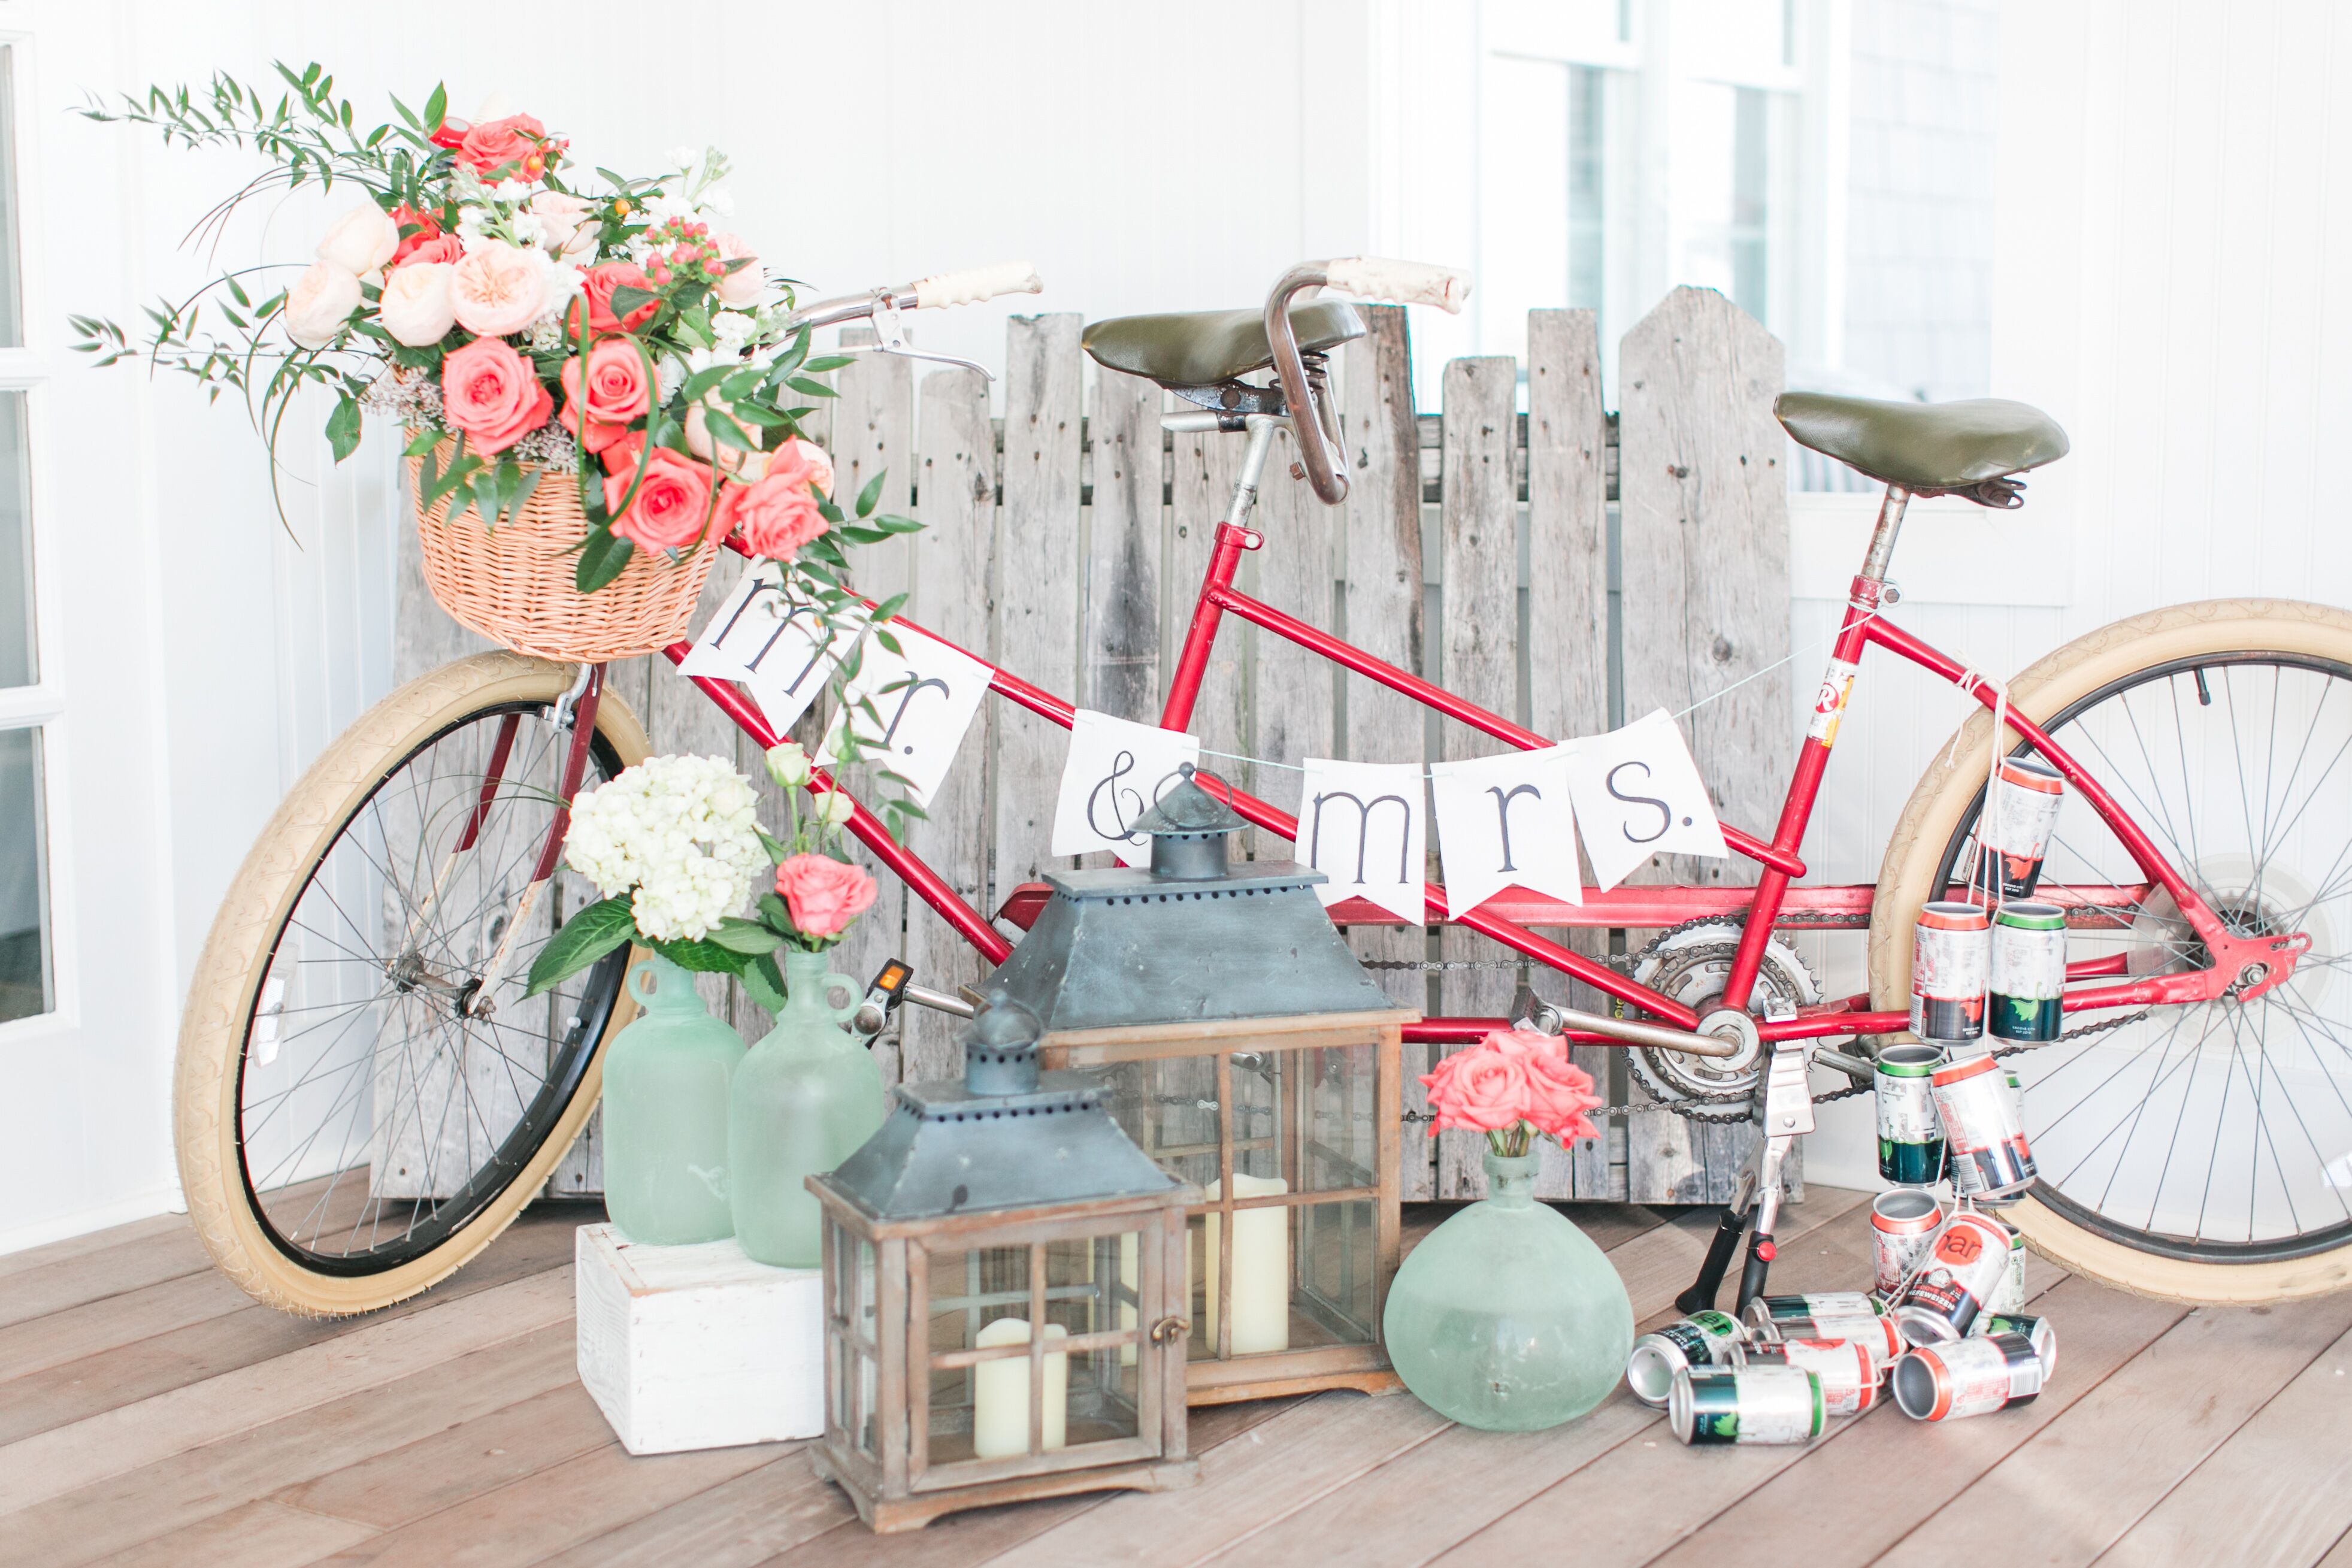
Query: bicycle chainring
1689,962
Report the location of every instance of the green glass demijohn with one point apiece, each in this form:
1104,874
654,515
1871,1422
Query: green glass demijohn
664,1130
802,1102
1507,1317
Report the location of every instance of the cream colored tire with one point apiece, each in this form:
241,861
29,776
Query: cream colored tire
1942,799
237,954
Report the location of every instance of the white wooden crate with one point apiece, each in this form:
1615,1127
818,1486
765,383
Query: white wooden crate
697,1347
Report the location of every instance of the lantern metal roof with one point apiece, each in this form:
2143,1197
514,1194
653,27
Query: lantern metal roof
1007,1137
1195,939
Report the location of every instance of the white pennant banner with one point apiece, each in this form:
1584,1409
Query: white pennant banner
781,651
1364,824
1504,820
1638,793
924,700
1118,769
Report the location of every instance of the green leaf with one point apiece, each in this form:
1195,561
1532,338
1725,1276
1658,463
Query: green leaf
586,937
778,912
744,936
891,522
763,984
778,853
602,559
801,383
887,608
871,496
889,640
820,365
628,299
703,957
436,107
343,427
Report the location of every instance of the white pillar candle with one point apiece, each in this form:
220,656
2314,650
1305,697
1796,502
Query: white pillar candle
1261,1267
1127,1277
999,1392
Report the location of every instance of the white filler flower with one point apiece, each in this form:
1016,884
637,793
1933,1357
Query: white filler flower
677,830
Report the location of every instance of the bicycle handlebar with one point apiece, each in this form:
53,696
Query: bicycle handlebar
977,283
1323,459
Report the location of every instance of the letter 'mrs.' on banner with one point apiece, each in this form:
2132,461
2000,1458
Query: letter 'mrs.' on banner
1638,793
923,699
1118,771
1364,826
1506,820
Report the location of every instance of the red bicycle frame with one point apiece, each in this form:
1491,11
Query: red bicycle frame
2249,964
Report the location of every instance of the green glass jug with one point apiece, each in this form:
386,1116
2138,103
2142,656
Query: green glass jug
803,1100
665,1112
1507,1317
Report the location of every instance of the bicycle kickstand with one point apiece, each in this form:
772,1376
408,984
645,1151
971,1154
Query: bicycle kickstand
1787,1114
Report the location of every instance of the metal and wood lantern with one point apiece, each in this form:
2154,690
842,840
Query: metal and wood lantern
1251,1056
981,1211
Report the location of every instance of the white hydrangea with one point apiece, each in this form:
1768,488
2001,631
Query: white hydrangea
732,330
676,830
717,202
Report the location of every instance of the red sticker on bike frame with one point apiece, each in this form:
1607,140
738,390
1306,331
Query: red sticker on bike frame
1829,701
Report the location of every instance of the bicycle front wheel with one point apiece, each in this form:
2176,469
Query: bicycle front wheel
360,1103
2202,1153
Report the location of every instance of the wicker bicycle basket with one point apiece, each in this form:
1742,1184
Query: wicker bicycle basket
513,583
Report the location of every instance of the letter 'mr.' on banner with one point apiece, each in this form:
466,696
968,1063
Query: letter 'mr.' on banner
1118,769
780,648
1365,826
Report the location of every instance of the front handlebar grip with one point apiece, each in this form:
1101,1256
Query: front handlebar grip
974,284
1400,282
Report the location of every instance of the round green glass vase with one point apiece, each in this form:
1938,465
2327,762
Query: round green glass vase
664,1129
803,1100
1507,1317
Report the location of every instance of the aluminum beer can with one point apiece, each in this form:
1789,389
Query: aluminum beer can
1702,1340
1952,967
1847,1370
2028,972
2040,1332
1760,1405
2015,832
1974,1376
1876,1335
1765,1310
1902,1223
1985,1152
1910,1139
1962,1270
2008,1296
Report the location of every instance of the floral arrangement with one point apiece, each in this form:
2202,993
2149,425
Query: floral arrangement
1511,1086
673,845
523,318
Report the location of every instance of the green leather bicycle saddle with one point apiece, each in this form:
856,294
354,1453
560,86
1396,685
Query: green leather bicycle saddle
1924,446
1200,348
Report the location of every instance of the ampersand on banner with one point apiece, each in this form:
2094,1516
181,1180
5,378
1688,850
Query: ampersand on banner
1117,771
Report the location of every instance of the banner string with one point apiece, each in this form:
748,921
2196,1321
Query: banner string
1804,652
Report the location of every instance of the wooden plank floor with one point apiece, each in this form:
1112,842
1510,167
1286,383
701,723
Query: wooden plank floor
148,1414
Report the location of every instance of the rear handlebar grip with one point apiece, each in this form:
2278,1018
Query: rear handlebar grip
974,284
1402,282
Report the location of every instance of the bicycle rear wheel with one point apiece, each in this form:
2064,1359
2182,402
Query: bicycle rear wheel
2202,1153
352,1124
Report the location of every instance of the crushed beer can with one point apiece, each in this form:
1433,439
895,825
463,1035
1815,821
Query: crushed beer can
1700,1341
1972,1376
1759,1404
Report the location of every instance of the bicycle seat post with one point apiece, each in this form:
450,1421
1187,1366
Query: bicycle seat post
1262,427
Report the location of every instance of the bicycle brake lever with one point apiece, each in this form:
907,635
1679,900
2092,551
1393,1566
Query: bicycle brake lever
892,332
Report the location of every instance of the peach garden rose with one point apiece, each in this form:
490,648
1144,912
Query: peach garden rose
500,288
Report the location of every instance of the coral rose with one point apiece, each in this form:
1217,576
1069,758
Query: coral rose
492,394
1558,1093
1482,1088
416,307
803,462
319,304
596,292
624,454
492,145
500,288
417,228
615,389
441,247
776,515
362,240
742,286
672,505
822,894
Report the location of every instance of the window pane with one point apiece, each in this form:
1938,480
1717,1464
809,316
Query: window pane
24,885
12,331
19,666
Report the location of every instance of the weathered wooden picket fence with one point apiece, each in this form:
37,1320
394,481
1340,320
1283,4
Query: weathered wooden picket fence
1065,541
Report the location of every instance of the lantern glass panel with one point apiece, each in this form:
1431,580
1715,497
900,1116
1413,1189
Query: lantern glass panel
980,1411
854,1345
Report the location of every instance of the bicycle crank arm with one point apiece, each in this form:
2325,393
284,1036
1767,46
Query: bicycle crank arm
1639,1034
